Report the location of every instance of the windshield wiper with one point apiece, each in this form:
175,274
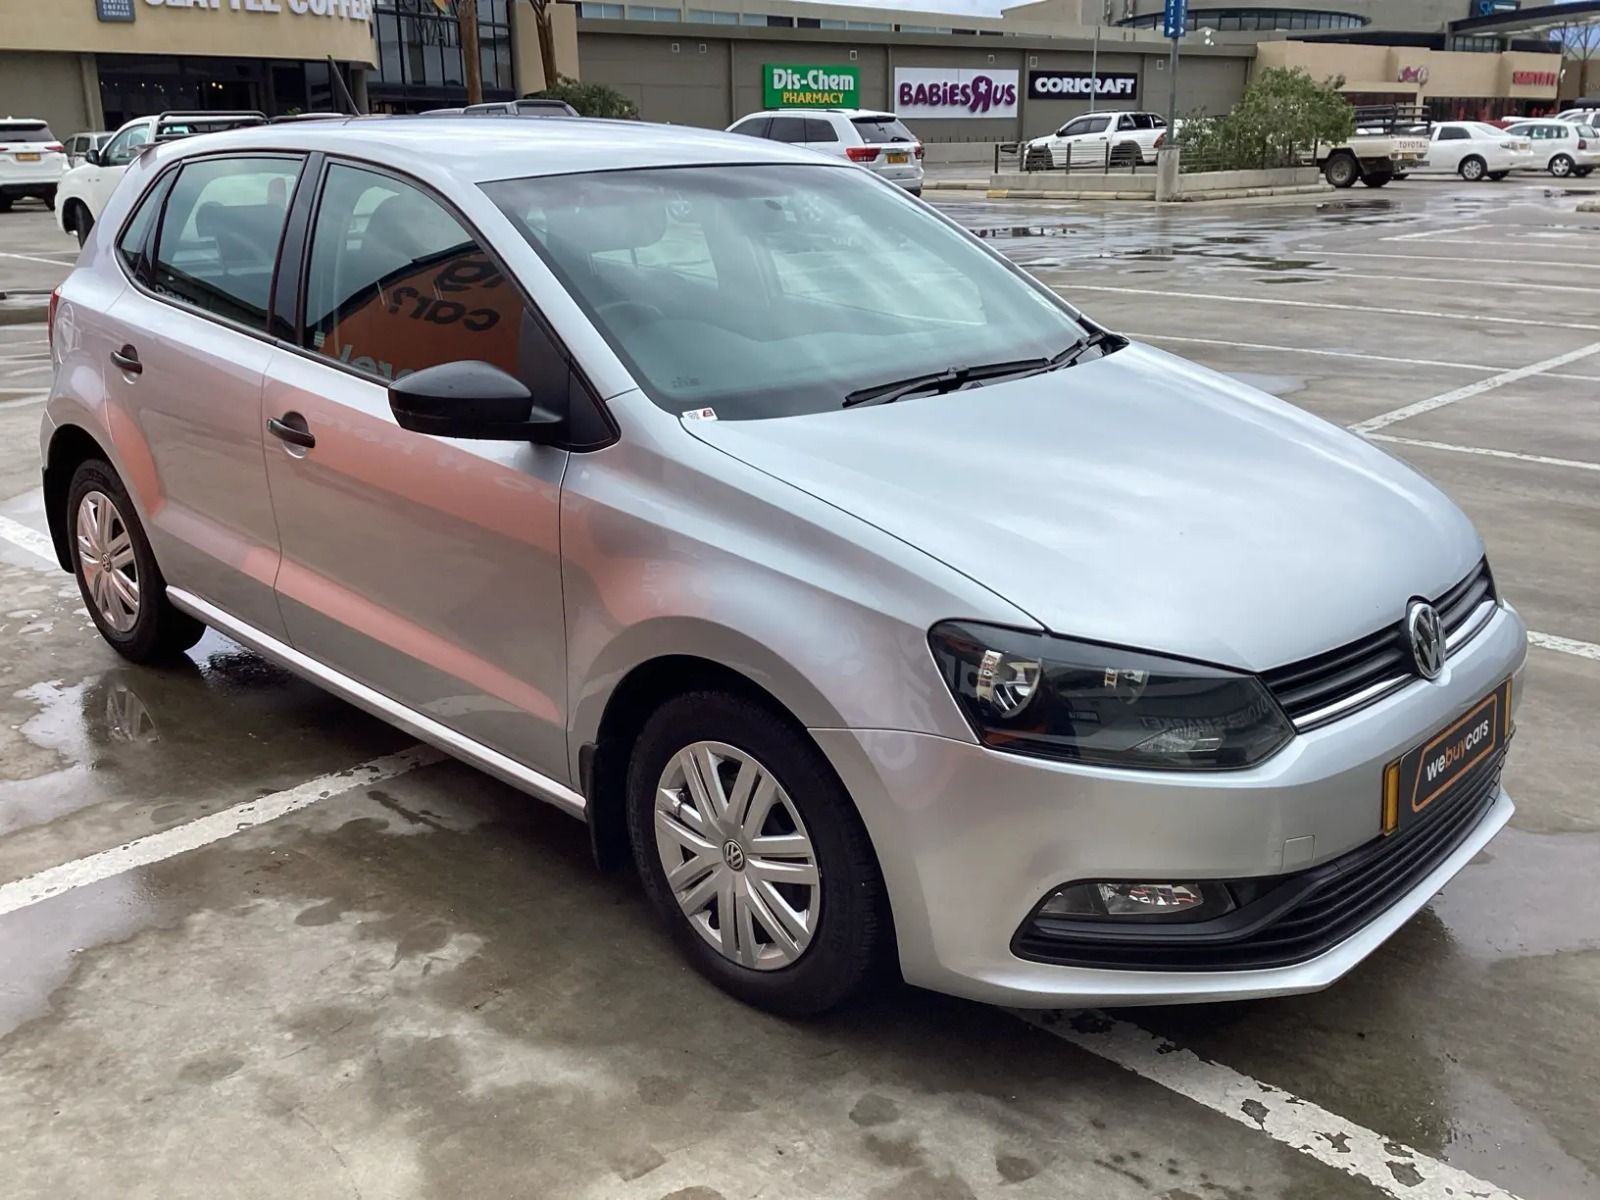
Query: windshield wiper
939,382
948,380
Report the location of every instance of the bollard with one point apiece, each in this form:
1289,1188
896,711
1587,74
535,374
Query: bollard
1167,187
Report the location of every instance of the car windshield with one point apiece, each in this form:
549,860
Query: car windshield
878,130
775,290
1482,130
26,131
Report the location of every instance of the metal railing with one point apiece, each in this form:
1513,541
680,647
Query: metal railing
1195,159
1093,158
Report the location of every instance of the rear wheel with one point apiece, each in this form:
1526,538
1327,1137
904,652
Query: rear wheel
116,570
1561,166
1473,169
1376,181
5,203
1497,176
753,854
1342,170
1582,172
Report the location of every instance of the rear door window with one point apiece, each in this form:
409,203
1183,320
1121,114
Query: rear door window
881,130
788,129
218,241
1452,133
1095,124
818,130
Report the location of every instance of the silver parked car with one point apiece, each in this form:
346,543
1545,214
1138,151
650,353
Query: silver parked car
881,607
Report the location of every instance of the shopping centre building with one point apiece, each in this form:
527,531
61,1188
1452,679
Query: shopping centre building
87,64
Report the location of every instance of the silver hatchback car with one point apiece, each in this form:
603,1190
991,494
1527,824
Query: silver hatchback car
880,607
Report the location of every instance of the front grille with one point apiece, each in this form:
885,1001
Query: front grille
1291,918
1333,684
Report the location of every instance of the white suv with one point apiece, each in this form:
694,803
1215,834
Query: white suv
878,141
31,161
84,190
1115,139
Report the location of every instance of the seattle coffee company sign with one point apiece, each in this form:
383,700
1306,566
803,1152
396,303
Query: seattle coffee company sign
1078,85
354,10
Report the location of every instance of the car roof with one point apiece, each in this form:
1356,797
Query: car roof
874,113
475,150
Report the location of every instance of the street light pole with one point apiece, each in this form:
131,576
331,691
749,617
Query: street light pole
1094,69
1172,90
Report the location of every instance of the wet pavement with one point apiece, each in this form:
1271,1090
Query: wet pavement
422,988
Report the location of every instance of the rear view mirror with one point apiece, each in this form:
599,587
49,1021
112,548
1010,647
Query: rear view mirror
92,156
471,399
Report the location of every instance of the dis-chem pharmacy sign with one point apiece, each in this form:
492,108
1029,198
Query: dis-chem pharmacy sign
785,86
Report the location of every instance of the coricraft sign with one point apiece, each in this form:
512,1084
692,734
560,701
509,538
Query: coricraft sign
355,10
1072,85
954,92
785,86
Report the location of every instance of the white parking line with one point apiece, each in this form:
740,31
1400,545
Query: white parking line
1565,645
1392,1168
1362,308
71,256
1543,460
24,537
203,831
1458,281
1428,233
1474,389
1439,258
1407,362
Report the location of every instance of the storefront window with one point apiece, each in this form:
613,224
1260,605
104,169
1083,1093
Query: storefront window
419,56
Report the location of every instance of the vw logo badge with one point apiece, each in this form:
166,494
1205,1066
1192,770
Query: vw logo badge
733,855
1426,638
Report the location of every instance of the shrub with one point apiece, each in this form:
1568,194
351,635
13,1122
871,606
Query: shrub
590,99
1282,115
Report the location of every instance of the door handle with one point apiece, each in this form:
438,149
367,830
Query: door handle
127,359
292,429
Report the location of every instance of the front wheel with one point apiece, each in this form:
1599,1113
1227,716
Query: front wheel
753,854
1582,172
1342,171
116,570
1473,169
1561,166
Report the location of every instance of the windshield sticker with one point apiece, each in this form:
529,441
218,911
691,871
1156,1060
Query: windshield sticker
700,414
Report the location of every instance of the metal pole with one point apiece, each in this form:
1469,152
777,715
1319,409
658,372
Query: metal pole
1094,68
471,64
1172,94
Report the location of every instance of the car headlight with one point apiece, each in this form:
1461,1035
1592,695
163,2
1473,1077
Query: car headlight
1031,693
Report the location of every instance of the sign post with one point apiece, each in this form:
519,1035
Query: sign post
1173,18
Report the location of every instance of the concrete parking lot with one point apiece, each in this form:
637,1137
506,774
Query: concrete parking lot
254,943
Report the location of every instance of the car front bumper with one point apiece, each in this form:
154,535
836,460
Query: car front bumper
971,840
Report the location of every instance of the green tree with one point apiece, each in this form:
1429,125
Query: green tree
590,99
1282,115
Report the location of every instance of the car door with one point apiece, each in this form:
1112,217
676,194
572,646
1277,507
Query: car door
184,383
426,568
101,179
822,137
1087,145
1450,144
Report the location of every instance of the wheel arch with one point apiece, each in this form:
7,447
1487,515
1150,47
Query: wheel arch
70,447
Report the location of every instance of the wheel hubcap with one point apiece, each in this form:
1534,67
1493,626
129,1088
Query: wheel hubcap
106,558
737,856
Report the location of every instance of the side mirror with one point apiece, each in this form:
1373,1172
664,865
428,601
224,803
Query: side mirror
92,156
471,399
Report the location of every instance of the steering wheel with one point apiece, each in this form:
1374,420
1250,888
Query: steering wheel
628,313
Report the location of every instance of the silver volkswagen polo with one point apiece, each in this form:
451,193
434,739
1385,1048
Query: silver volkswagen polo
881,608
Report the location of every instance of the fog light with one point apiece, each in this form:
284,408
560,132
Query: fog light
1139,899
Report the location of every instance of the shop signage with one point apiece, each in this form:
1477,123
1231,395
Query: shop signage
354,10
1067,85
1416,75
114,10
954,92
787,86
1534,78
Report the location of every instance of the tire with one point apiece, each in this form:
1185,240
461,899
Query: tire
50,201
1561,166
1473,168
1125,154
149,629
79,220
1497,176
1038,160
1582,172
1342,170
841,930
5,204
1376,181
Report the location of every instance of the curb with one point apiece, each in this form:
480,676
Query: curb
1316,189
22,312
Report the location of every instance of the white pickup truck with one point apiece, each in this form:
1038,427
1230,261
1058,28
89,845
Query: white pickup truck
1390,140
83,191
